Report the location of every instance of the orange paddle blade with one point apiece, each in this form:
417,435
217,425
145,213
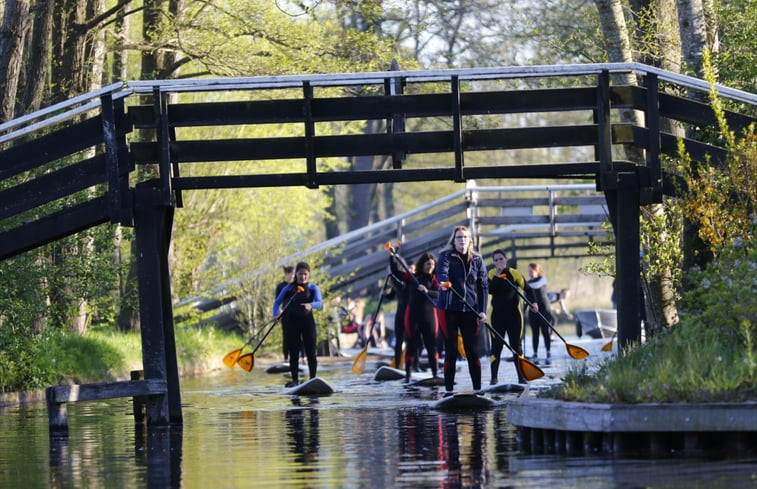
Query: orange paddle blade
231,358
359,364
529,369
246,361
460,347
608,346
576,351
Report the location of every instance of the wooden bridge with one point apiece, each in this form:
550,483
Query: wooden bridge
86,152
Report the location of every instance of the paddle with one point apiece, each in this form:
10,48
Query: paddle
530,370
393,251
608,346
234,357
359,364
574,351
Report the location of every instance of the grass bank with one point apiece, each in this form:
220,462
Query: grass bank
37,360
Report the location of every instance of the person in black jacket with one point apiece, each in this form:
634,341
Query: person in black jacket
465,272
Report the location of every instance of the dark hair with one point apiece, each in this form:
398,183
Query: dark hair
427,256
302,265
288,268
500,252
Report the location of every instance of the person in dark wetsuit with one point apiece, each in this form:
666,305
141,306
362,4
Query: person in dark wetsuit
288,277
298,321
400,291
541,311
507,316
466,272
420,314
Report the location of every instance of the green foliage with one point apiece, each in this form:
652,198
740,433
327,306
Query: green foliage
709,356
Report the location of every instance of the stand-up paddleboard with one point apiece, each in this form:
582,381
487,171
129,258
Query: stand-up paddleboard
429,382
280,368
505,388
389,373
463,401
313,387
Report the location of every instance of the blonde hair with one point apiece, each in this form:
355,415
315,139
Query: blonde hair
536,267
451,243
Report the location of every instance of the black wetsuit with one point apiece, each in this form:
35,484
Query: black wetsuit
507,316
538,295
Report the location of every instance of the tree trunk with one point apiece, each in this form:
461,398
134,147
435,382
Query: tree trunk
691,21
16,23
664,53
35,81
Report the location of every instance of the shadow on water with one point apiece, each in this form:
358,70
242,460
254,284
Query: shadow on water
240,431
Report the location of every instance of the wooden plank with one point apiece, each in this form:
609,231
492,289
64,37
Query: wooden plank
53,227
51,186
50,147
374,107
106,390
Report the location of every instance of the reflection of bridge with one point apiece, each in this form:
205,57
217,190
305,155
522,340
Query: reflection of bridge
78,152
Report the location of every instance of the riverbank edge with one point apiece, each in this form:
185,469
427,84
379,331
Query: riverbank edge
553,426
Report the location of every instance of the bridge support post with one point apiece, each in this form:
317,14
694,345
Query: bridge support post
152,226
627,262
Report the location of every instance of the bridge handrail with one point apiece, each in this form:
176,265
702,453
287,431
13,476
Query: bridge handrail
124,89
116,89
422,76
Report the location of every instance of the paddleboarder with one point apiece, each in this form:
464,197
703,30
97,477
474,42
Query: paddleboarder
400,291
420,315
297,319
541,312
465,272
288,277
507,316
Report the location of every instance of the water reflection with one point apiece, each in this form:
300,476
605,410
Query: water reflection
242,432
304,439
445,447
157,457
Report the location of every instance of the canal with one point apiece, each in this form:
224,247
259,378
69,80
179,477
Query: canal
240,431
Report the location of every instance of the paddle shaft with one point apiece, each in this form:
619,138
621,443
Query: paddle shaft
517,290
404,266
378,307
489,326
273,323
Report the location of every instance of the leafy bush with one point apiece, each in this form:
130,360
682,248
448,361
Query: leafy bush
708,356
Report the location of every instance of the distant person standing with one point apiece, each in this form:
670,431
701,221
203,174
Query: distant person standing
298,320
288,277
466,273
507,316
542,312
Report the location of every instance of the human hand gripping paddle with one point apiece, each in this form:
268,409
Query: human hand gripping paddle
393,251
247,361
359,364
574,351
530,370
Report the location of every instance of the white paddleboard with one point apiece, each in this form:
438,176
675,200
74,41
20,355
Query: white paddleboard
389,373
464,401
313,387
